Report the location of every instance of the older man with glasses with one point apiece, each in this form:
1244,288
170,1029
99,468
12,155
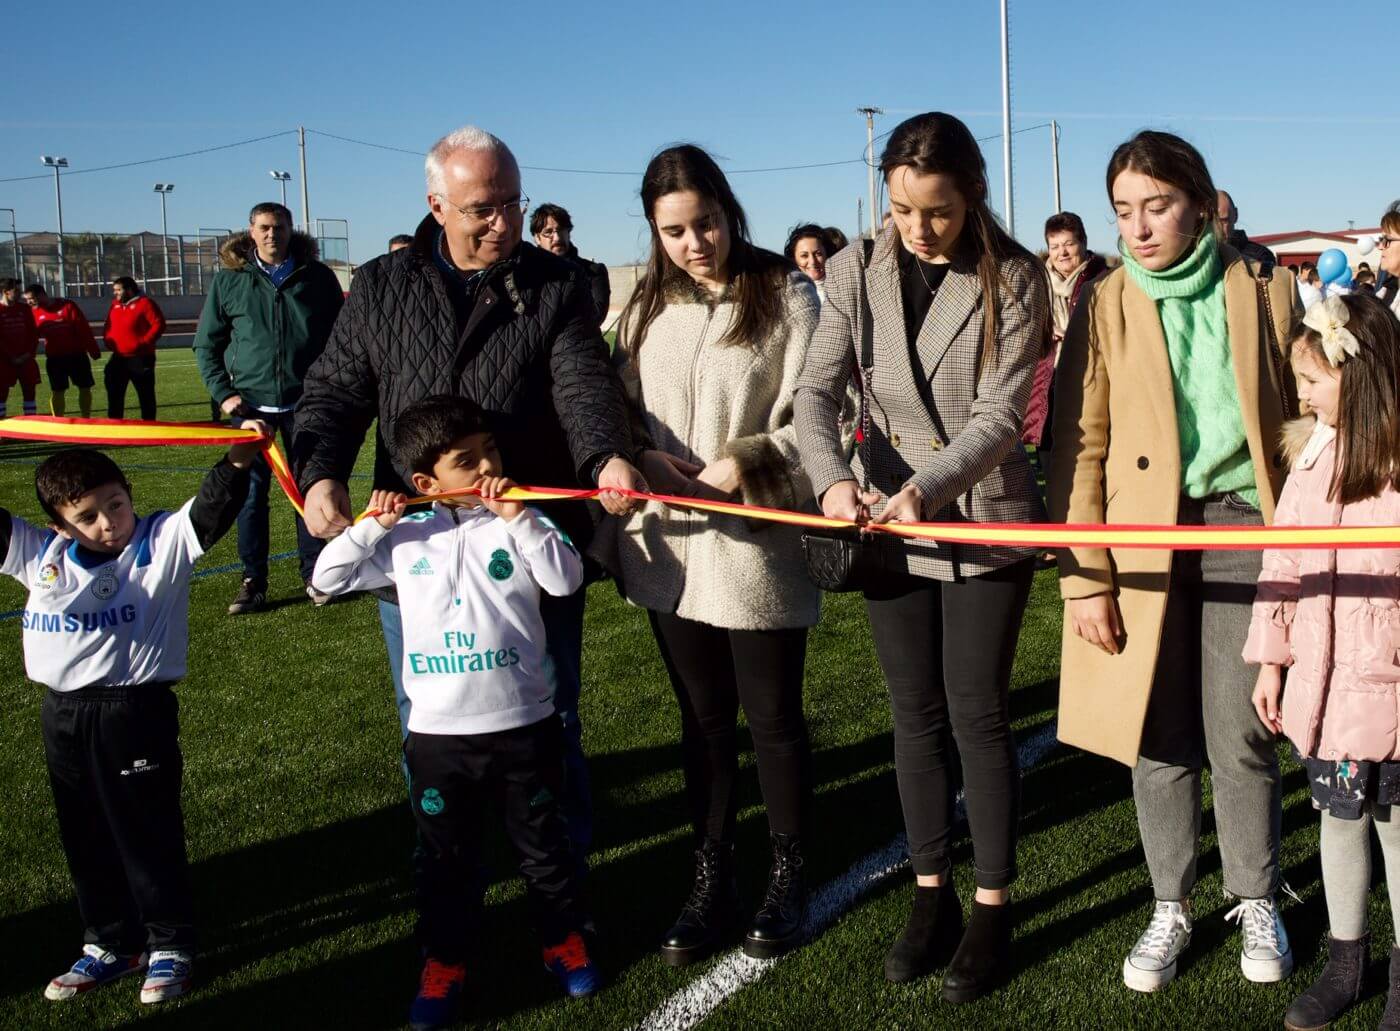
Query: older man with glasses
467,309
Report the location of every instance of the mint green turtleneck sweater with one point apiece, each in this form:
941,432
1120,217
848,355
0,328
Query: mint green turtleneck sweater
1190,300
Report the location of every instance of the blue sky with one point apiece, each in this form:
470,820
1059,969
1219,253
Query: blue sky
604,85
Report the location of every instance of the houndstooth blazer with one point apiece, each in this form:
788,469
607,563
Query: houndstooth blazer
959,442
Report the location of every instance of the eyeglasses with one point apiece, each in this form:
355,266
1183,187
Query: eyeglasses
551,234
488,213
1385,241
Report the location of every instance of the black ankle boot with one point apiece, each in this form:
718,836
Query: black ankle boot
930,936
983,960
777,924
710,914
1335,990
1390,1019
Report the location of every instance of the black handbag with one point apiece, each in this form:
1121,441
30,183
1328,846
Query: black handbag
846,560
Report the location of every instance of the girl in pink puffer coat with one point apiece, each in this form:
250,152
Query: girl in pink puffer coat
1333,619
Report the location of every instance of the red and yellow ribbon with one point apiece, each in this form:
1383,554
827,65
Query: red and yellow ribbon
111,432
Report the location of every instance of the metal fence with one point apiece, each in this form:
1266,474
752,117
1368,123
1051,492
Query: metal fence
162,265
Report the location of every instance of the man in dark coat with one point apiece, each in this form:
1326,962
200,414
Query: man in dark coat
269,312
553,230
469,309
1226,215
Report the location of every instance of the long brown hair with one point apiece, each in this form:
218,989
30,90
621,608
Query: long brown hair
938,143
1368,410
1168,159
756,276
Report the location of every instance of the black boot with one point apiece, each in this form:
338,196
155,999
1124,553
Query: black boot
777,924
1390,1019
929,938
711,912
1335,990
983,960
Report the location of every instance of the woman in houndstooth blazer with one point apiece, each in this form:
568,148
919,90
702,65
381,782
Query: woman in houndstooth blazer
957,313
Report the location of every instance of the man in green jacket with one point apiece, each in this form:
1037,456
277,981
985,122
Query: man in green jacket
268,315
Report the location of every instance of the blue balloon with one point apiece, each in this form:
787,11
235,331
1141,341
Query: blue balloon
1344,279
1331,265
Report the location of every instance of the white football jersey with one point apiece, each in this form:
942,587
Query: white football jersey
97,620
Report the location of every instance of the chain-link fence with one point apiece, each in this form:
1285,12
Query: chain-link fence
87,263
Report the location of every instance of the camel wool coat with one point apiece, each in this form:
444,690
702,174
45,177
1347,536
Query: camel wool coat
1117,460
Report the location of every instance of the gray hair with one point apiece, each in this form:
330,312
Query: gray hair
468,137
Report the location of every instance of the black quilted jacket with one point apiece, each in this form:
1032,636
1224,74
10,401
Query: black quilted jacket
530,353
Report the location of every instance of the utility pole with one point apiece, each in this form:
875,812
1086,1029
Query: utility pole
163,189
305,204
14,241
870,113
56,164
860,222
1055,161
1006,118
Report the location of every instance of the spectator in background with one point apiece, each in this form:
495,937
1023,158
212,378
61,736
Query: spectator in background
19,346
807,248
1364,282
1309,285
1388,244
267,318
69,348
553,229
399,242
835,240
1226,215
134,325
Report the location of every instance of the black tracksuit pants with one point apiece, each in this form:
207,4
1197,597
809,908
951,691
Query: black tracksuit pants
115,767
454,780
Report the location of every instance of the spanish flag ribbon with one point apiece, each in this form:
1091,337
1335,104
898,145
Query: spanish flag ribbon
113,432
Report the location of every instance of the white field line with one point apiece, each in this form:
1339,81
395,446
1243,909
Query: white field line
733,971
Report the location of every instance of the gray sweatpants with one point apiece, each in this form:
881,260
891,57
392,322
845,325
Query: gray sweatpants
1346,868
1200,711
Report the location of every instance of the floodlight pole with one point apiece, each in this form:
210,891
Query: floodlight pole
1006,118
56,164
1055,161
305,203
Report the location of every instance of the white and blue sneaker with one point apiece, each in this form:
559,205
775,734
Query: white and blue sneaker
168,976
1265,955
95,968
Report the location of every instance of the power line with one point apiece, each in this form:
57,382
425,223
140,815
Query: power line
590,171
152,161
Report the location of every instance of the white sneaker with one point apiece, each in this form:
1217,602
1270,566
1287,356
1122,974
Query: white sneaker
167,977
1265,956
95,967
1152,963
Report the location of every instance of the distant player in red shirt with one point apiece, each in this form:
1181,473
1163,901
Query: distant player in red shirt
19,343
134,324
68,347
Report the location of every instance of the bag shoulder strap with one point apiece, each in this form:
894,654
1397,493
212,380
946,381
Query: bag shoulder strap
1262,278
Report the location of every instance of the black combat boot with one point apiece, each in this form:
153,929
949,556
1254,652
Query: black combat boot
778,923
710,914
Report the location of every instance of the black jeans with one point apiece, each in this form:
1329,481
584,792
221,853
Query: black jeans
454,780
140,371
712,671
947,649
252,520
115,767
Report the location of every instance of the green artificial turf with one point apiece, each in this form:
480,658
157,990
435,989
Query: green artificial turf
300,835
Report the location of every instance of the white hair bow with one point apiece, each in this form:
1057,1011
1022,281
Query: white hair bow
1329,319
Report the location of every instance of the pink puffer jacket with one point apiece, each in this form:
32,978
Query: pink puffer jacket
1332,616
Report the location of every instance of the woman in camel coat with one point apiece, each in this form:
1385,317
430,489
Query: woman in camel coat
1170,395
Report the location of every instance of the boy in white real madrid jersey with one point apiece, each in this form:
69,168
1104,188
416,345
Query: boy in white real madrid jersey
482,729
105,628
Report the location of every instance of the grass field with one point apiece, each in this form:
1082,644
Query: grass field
300,834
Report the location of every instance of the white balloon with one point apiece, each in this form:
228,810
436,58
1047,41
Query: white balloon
1365,244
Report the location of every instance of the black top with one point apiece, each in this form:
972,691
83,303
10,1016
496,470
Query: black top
918,282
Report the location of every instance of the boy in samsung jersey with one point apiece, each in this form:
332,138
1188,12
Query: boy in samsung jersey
483,730
105,629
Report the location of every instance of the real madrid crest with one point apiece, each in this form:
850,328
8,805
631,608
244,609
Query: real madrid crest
104,585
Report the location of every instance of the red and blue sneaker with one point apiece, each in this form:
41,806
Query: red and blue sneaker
95,968
439,995
569,963
168,976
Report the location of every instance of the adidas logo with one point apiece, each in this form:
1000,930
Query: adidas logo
420,568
